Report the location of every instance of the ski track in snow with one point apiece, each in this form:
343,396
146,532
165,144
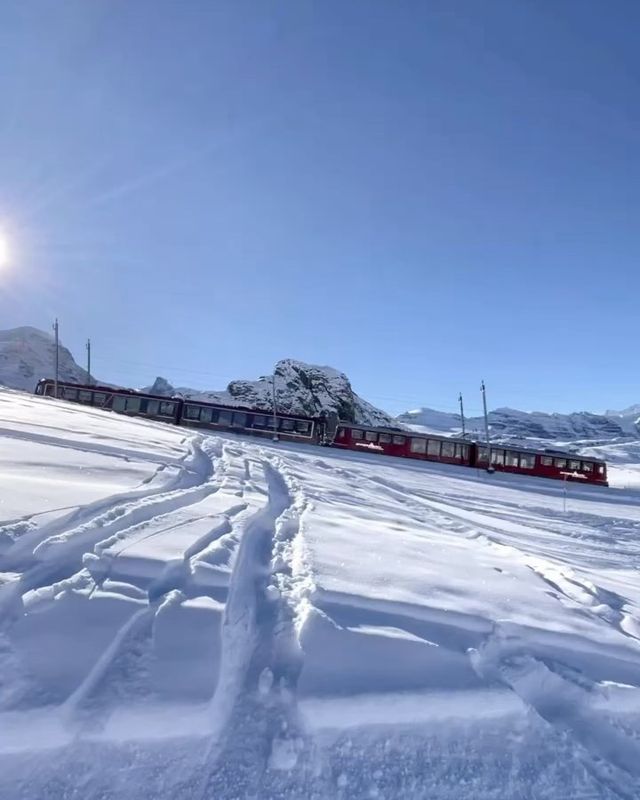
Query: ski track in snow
265,621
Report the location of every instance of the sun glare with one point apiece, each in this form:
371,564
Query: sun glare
4,250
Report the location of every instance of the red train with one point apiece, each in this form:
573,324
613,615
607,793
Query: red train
426,447
345,435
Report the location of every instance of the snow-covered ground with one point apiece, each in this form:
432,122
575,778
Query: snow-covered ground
184,616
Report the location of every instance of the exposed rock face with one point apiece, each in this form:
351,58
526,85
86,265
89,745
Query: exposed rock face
28,354
161,386
301,388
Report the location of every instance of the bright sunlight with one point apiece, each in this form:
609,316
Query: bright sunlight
4,250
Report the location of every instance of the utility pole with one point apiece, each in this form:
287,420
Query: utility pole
462,414
275,412
55,328
89,361
490,467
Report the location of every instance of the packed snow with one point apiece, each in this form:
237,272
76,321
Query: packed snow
197,617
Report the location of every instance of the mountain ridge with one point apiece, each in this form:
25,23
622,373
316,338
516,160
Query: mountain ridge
529,427
27,354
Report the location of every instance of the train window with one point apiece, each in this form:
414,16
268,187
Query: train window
84,396
433,448
339,435
133,404
356,434
259,421
287,425
482,454
305,427
418,445
371,436
69,394
511,459
48,390
239,419
398,439
497,457
574,465
547,461
600,469
191,412
119,403
153,407
224,417
99,398
206,414
166,409
462,451
560,463
587,466
527,461
448,449
385,438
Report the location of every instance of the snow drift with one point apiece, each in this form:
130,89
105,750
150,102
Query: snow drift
199,617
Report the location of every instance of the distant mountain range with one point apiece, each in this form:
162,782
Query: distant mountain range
509,424
27,354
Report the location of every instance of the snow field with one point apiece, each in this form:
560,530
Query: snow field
214,617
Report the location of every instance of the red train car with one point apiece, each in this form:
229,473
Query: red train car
405,444
523,461
545,464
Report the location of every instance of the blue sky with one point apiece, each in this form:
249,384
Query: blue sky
421,193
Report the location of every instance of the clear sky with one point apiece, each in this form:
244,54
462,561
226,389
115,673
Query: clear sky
421,193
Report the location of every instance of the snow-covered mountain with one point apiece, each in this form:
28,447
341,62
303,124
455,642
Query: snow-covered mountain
28,354
300,389
535,426
431,421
